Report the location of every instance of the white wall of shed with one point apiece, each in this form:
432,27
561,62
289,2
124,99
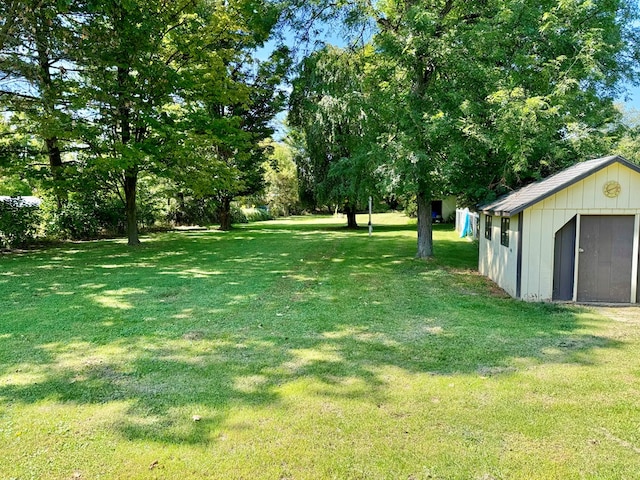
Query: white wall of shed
496,261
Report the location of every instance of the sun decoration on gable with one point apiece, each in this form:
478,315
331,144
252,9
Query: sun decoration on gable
612,189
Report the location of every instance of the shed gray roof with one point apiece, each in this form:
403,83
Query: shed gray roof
521,199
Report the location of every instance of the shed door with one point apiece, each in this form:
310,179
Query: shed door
564,259
606,252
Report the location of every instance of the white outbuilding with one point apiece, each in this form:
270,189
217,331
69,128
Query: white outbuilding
574,236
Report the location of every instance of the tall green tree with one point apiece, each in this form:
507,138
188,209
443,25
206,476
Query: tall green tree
132,61
557,107
37,77
228,116
166,86
330,105
495,88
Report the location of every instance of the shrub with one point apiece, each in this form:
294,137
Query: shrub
111,216
237,215
204,211
19,222
193,211
256,214
411,207
74,220
82,217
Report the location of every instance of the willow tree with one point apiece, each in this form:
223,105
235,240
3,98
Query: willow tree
330,105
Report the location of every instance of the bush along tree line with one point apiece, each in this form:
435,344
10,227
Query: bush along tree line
124,113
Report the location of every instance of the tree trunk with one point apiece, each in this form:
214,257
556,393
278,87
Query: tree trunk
130,187
55,163
49,99
130,173
180,215
351,216
225,214
55,156
425,232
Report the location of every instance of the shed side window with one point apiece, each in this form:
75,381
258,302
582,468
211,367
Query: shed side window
504,231
487,226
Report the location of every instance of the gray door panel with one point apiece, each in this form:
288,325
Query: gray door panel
606,251
564,261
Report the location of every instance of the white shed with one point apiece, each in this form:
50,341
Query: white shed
444,209
574,236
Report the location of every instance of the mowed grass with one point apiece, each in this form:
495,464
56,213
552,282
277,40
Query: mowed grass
298,349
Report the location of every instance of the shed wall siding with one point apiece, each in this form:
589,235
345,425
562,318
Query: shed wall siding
498,262
544,219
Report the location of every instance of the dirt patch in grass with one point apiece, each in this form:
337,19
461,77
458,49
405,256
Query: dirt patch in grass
194,335
620,314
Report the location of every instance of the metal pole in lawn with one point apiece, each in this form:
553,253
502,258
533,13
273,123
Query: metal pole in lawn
370,208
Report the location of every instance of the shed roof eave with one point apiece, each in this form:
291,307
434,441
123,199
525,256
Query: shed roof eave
604,162
499,213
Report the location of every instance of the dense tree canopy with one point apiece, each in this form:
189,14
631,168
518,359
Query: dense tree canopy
225,149
37,51
480,97
130,88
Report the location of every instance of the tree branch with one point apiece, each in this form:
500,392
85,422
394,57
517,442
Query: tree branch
19,95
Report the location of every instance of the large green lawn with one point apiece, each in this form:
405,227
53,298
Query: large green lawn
299,350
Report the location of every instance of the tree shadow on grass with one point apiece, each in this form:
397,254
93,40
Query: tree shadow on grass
204,321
